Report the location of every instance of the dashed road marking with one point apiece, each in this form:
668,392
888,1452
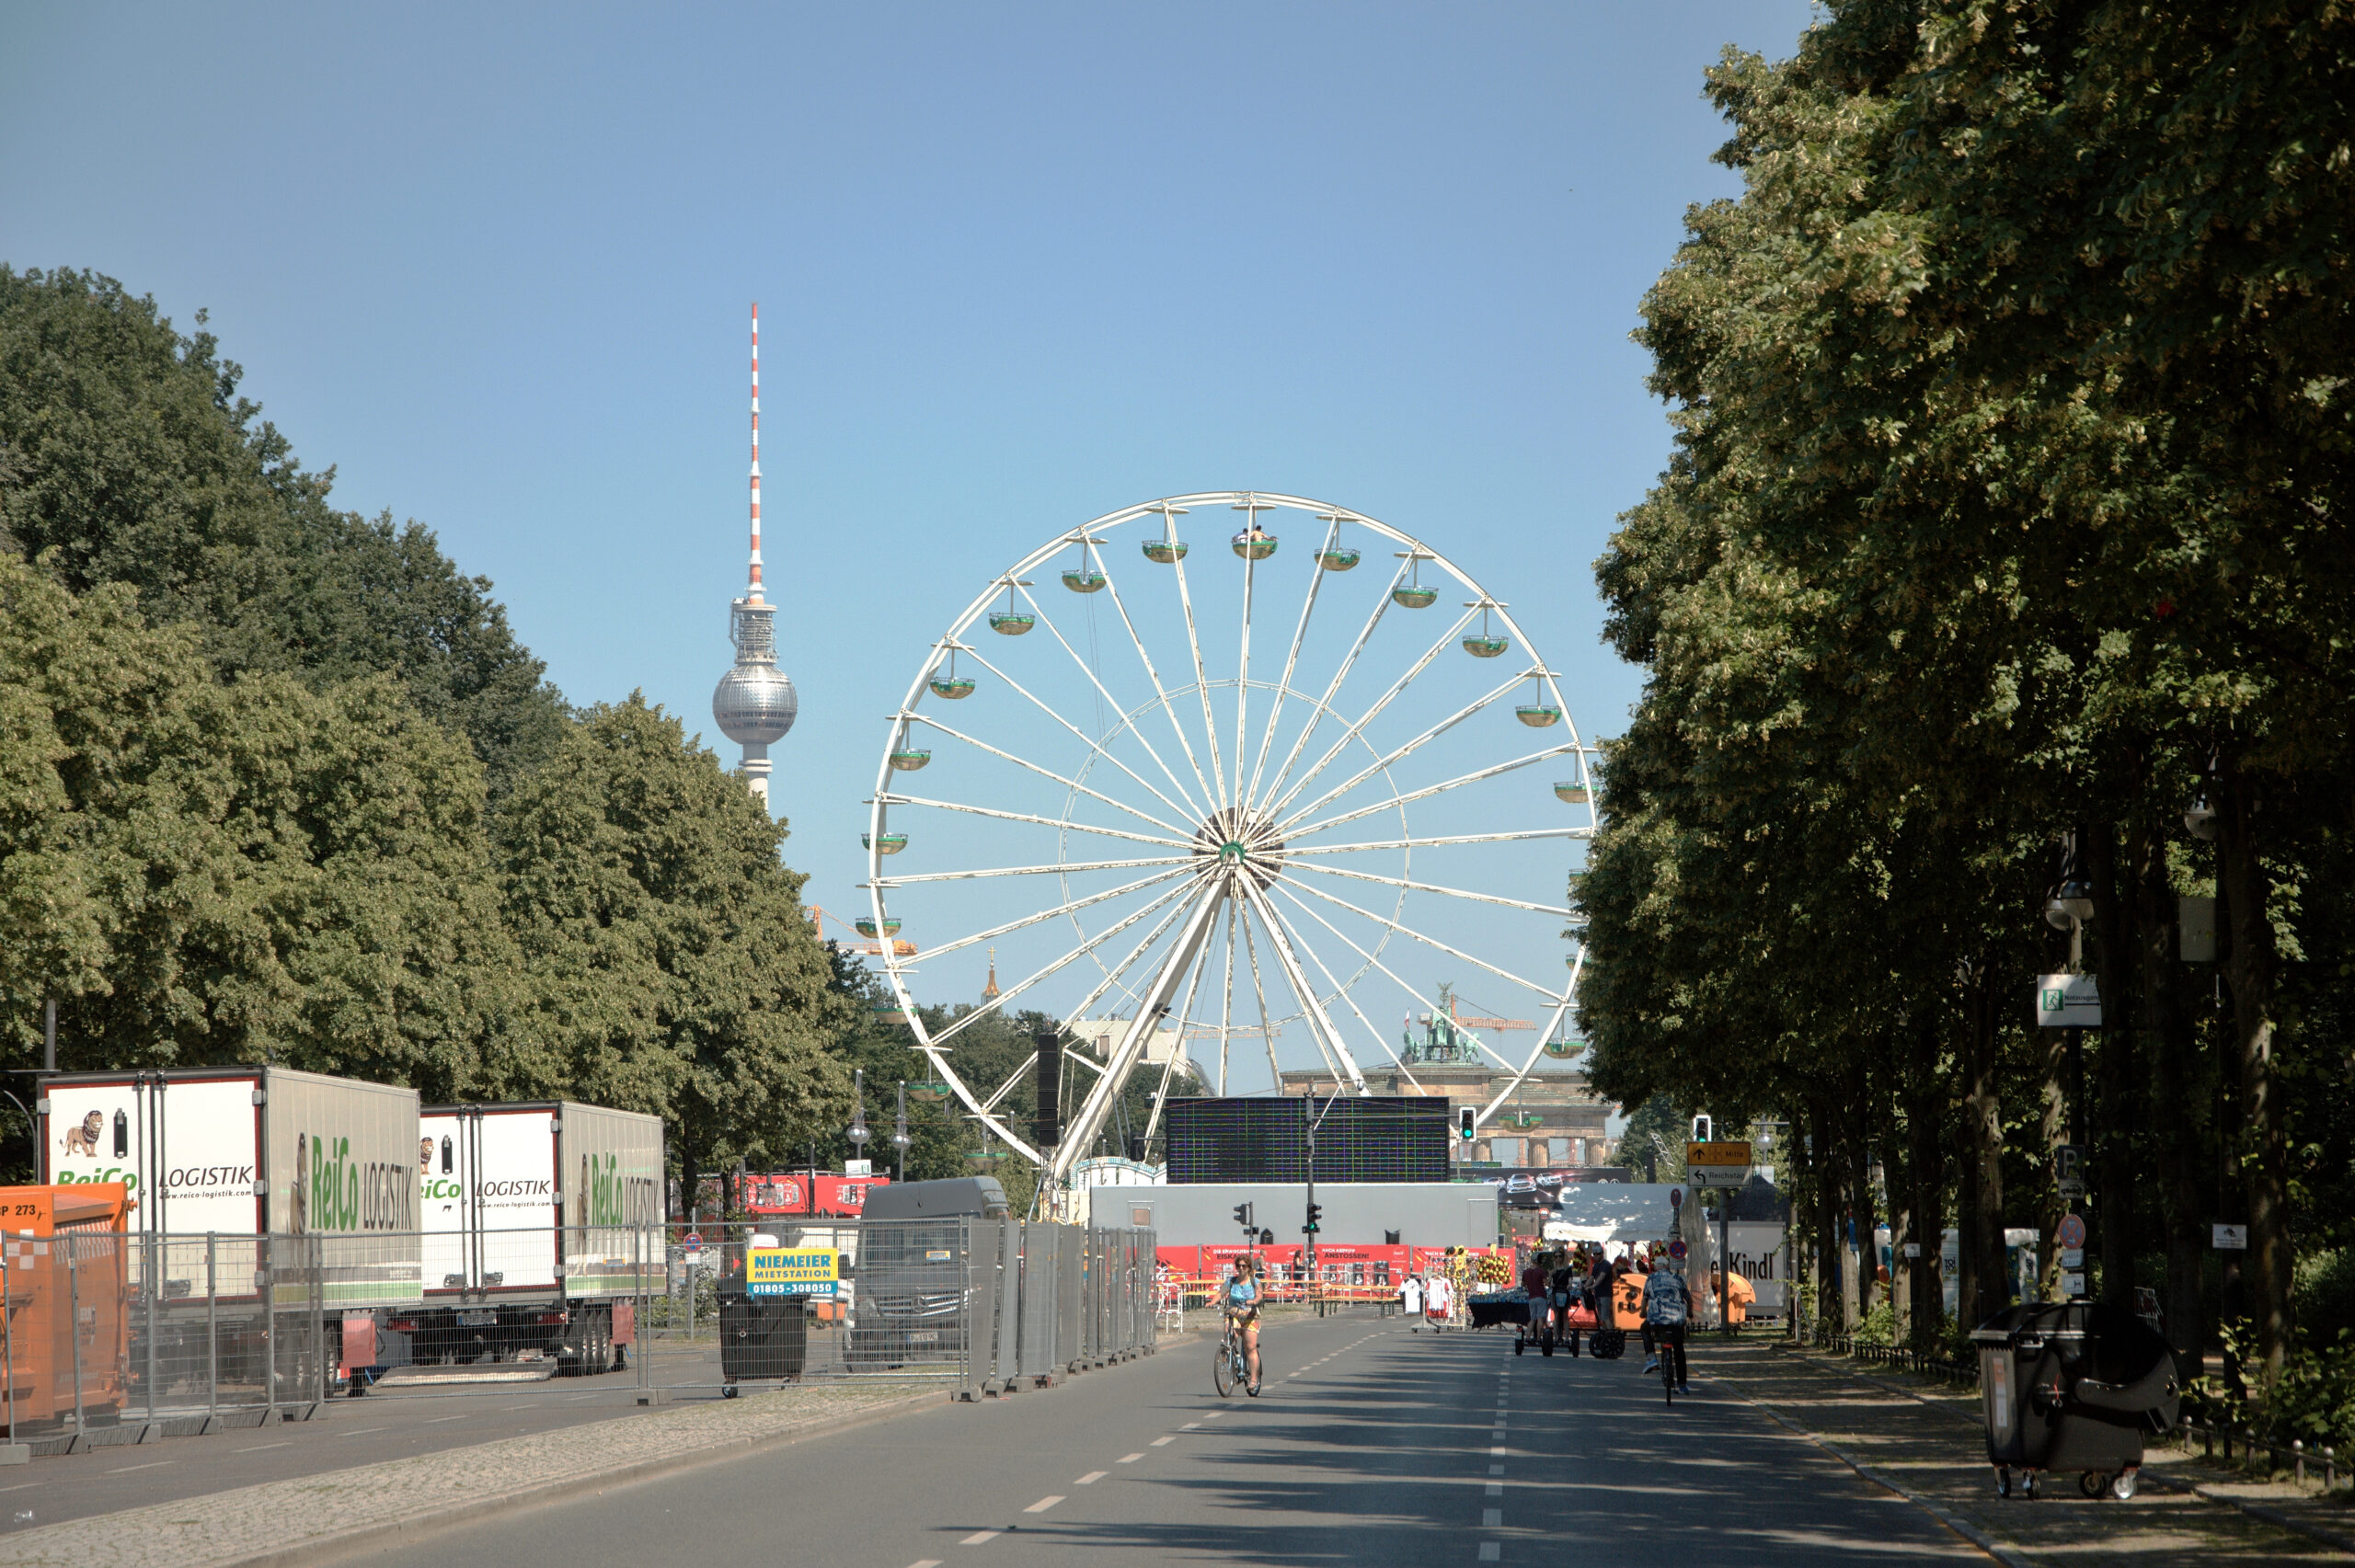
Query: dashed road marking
1492,1518
1497,1450
980,1536
1043,1504
439,1419
257,1448
1491,1551
151,1464
1495,1489
1189,1426
1496,1469
1213,1415
1091,1478
1159,1442
1128,1459
359,1432
925,1562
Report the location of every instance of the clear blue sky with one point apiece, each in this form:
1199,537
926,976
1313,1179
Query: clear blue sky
1018,265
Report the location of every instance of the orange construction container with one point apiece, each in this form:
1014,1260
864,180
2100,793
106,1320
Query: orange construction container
64,1261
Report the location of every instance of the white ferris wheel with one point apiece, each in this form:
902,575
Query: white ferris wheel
1214,801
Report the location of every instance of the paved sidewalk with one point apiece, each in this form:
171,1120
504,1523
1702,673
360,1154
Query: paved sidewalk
1927,1440
308,1517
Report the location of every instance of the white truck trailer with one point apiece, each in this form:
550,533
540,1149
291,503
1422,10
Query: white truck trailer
541,1224
252,1151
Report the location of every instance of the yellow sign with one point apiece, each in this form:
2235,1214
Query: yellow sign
791,1270
1716,1154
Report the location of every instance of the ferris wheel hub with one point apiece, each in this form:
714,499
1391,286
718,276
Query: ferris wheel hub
1245,843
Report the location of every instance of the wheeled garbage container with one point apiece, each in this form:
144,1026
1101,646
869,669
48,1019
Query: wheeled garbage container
2073,1386
761,1337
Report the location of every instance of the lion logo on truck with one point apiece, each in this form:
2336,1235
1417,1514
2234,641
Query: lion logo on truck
84,1140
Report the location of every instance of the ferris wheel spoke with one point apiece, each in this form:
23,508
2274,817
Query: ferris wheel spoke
1161,694
1375,959
1292,853
1367,717
1267,1028
1435,888
1333,687
1063,868
1072,784
1185,809
1226,1002
1202,679
1407,749
1063,823
1552,1022
1289,833
1297,977
1071,907
1291,658
1012,1079
1404,930
998,1004
1381,1041
1112,975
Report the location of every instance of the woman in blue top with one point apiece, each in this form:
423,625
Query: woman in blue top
1243,1310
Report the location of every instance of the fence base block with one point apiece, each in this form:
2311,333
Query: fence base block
16,1453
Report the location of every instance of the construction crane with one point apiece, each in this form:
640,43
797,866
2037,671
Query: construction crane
1462,1021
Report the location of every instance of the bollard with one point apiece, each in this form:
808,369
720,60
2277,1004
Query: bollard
2298,1458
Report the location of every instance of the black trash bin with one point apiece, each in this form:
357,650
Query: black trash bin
2073,1386
761,1337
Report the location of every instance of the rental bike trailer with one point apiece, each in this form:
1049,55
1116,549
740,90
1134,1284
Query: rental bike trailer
2073,1385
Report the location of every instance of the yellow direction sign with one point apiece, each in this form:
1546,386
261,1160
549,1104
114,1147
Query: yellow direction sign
791,1270
1717,1153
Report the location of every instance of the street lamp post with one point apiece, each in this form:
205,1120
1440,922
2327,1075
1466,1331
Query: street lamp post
900,1139
2069,908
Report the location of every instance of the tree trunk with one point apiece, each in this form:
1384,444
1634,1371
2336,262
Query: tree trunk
2180,1126
1984,1118
2249,966
2055,1132
1926,1223
1860,1199
2118,1067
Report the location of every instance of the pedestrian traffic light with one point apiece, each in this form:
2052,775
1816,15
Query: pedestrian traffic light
1467,1122
1314,1210
1243,1215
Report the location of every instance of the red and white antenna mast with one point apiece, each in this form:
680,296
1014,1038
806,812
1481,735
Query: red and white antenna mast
753,589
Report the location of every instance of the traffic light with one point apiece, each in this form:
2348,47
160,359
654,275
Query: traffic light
1701,1129
1312,1227
1467,1122
1243,1215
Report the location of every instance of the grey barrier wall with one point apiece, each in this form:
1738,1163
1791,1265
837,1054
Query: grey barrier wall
1063,1297
1423,1214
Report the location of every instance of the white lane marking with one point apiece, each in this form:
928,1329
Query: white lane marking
1043,1504
1496,1469
1091,1478
1491,1551
1497,1450
980,1536
439,1419
151,1464
1157,1442
1492,1518
925,1562
1189,1426
27,1486
257,1448
359,1432
1128,1459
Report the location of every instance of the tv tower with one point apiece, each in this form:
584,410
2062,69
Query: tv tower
754,702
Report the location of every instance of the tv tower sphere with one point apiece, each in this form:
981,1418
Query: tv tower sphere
754,702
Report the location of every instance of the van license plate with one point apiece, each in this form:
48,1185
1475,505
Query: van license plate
478,1319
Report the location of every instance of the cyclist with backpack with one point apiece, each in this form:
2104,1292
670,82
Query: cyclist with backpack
1667,1305
1242,1304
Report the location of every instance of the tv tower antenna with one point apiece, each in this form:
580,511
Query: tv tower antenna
754,702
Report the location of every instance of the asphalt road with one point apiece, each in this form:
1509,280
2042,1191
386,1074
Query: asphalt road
387,1424
1371,1444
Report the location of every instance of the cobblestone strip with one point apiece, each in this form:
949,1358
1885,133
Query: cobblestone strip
309,1517
1928,1447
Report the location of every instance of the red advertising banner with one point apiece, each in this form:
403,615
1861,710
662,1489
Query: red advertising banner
1361,1267
789,1192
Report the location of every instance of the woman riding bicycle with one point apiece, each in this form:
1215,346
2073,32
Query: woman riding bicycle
1241,1305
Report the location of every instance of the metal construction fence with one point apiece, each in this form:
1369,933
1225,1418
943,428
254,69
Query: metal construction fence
113,1338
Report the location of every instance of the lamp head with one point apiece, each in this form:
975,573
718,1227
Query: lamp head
2200,820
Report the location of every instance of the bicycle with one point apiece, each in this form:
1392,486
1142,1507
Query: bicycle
1230,1367
1669,1339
